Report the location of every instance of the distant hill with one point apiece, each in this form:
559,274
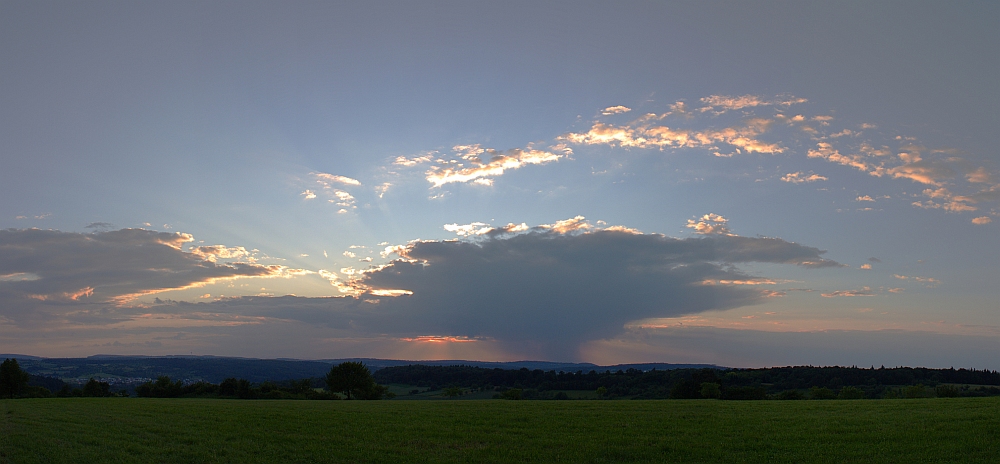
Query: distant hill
215,369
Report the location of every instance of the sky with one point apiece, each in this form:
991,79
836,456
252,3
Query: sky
748,185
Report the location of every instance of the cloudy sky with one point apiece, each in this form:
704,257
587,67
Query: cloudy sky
746,185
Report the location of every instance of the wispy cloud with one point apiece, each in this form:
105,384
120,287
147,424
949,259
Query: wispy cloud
723,103
324,177
927,281
468,166
864,291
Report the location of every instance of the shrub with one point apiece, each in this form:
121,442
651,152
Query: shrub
946,391
821,393
744,393
710,390
512,394
791,395
851,393
915,391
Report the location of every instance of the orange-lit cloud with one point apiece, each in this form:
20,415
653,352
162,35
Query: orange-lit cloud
495,166
615,110
864,291
643,134
722,103
440,339
709,224
826,151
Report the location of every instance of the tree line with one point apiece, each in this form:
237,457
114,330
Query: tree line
780,383
351,379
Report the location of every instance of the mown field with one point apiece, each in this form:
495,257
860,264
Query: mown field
191,430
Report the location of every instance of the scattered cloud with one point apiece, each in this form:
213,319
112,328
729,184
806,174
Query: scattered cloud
472,168
644,133
308,194
864,198
709,224
980,175
801,177
982,220
826,151
342,199
404,161
927,281
324,177
476,228
866,266
722,103
382,188
615,110
864,291
212,253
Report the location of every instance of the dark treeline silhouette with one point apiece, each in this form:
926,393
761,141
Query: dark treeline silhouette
304,389
353,379
784,382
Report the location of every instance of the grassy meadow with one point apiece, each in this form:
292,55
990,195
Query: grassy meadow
193,430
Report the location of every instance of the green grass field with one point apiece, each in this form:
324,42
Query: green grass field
183,430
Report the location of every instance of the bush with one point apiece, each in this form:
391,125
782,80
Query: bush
97,389
946,391
821,393
512,394
915,391
710,390
791,395
162,388
851,393
744,393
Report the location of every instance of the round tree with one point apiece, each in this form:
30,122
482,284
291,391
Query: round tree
351,378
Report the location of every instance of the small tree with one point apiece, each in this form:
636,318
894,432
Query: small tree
13,380
821,393
97,389
512,394
353,379
946,391
710,390
851,393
